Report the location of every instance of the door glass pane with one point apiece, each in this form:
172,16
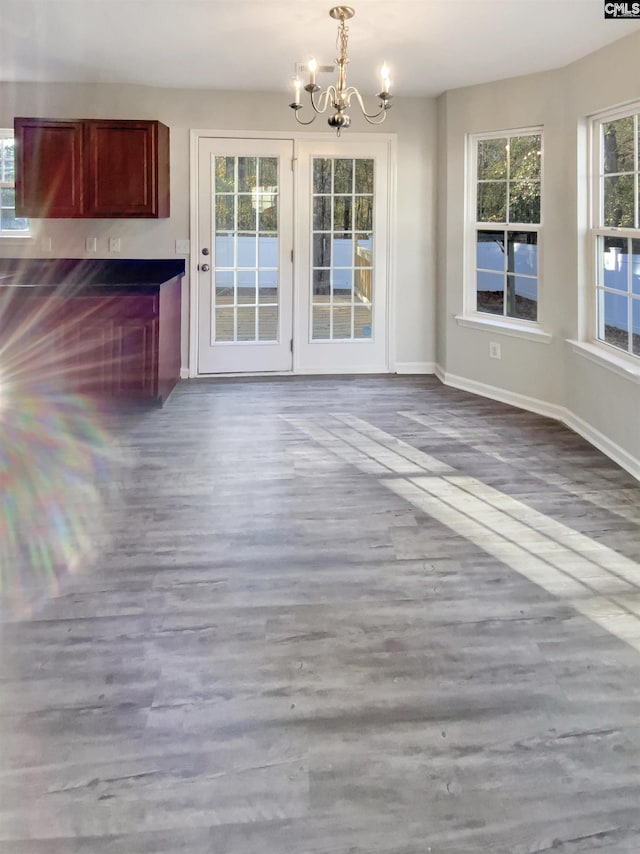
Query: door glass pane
268,323
322,213
268,251
246,173
635,311
225,213
364,176
321,284
362,321
342,321
364,213
246,287
223,329
224,287
268,173
321,250
224,250
246,324
267,212
247,213
268,287
343,176
225,174
322,175
246,258
342,267
247,250
321,322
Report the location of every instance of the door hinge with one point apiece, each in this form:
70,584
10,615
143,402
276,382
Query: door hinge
292,256
291,345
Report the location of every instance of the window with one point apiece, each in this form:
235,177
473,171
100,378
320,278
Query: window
616,229
506,218
10,225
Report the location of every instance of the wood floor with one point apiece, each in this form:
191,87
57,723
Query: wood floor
328,616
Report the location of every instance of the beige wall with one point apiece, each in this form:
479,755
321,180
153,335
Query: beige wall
413,121
549,376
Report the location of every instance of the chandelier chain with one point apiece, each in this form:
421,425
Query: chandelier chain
342,41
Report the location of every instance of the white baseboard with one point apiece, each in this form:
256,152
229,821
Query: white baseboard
184,373
522,401
604,444
560,413
414,367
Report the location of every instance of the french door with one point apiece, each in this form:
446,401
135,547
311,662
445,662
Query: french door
342,248
245,188
274,296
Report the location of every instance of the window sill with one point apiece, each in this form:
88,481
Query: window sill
17,238
620,365
503,327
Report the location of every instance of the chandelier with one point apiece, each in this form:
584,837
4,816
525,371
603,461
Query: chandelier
339,97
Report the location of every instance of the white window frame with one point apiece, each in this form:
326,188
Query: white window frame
471,317
607,350
12,234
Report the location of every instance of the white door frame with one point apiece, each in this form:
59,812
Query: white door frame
194,140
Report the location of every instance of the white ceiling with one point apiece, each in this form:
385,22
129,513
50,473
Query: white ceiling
431,45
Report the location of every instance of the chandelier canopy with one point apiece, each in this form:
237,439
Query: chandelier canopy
339,97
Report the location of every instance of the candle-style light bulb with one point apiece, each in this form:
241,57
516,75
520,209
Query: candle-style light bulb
384,74
297,85
313,67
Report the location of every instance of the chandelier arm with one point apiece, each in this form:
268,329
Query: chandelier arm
320,107
300,122
371,117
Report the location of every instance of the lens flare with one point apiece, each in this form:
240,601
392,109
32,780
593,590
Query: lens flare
56,458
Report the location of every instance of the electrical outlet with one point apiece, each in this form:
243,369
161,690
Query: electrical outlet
183,247
114,244
91,244
494,350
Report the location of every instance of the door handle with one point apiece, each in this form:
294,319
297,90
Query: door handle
204,267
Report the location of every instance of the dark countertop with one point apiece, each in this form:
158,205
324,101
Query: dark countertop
90,275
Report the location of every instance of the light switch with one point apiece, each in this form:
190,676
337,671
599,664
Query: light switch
114,244
91,244
183,247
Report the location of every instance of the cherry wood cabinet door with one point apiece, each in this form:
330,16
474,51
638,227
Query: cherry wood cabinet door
50,168
127,168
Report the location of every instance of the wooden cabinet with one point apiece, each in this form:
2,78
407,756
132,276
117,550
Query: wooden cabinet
88,168
102,340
